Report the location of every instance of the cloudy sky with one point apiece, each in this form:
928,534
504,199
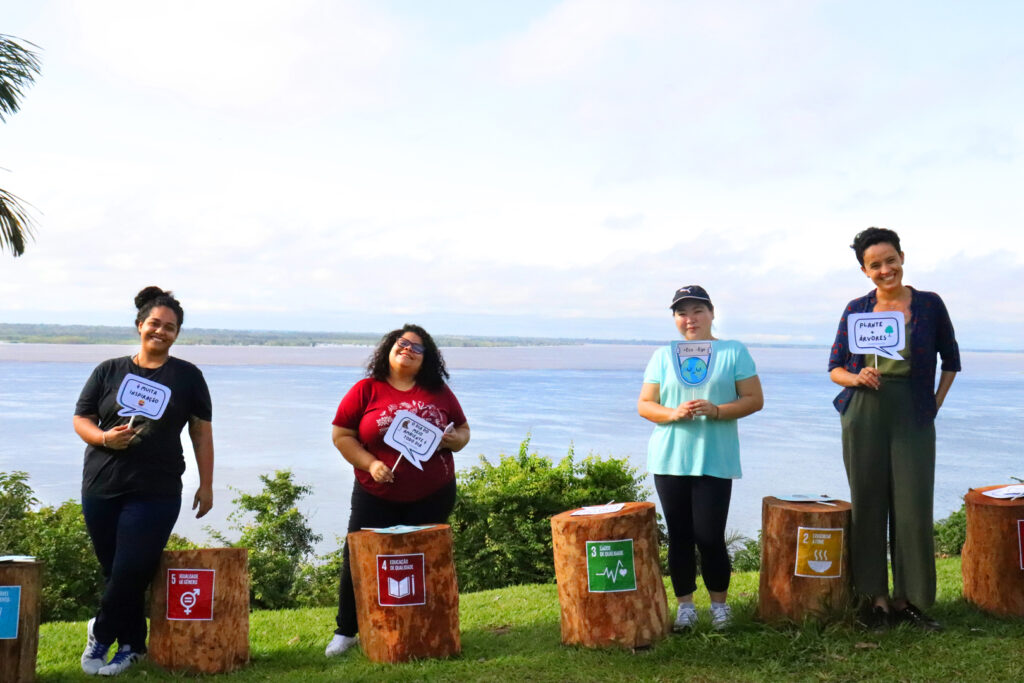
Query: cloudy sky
516,168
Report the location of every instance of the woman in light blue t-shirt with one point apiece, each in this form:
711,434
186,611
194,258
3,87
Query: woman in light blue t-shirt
694,452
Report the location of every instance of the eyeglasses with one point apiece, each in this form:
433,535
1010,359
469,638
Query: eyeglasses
404,343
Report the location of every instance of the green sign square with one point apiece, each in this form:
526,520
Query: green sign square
610,566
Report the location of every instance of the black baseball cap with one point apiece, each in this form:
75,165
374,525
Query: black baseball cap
690,292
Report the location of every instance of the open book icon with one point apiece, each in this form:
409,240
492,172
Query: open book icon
401,588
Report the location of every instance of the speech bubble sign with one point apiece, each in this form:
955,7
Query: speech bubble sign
141,396
413,437
692,361
881,333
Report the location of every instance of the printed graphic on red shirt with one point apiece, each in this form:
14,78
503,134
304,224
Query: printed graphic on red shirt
427,411
190,594
401,580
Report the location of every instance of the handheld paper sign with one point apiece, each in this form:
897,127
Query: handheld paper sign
880,333
692,361
413,437
141,396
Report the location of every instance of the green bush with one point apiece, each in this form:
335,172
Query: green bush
56,536
278,538
746,553
72,578
502,518
16,501
951,532
317,585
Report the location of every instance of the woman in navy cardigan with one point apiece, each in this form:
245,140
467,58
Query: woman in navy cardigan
887,410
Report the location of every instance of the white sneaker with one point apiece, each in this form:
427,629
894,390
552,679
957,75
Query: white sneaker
721,617
94,657
339,644
686,618
122,659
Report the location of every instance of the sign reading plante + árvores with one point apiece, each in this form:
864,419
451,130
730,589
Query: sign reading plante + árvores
610,566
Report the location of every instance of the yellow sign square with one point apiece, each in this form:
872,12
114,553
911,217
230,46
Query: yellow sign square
819,553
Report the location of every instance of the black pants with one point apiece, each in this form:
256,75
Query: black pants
370,511
128,534
696,509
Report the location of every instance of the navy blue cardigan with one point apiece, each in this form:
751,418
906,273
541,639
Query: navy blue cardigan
931,332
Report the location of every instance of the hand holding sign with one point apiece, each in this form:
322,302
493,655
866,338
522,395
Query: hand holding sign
880,333
413,437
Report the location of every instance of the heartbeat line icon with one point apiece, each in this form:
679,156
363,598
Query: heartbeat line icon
613,574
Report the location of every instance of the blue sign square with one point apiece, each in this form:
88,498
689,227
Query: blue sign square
10,607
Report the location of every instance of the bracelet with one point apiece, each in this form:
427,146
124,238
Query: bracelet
718,411
104,439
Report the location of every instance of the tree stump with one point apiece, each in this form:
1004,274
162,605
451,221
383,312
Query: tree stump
199,610
992,559
609,583
407,597
805,559
20,586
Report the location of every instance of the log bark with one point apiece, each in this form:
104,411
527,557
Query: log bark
822,590
407,596
18,655
992,556
189,643
614,615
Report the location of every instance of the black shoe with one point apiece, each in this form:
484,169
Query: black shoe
916,618
874,618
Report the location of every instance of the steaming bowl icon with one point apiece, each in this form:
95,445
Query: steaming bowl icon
819,566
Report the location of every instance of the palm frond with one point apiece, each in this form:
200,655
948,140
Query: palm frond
19,66
15,225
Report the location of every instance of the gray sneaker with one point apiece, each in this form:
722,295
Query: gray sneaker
686,618
721,617
94,657
122,659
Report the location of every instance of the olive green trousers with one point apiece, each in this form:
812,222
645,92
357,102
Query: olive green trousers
890,464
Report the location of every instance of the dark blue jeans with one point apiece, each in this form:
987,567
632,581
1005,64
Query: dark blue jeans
128,534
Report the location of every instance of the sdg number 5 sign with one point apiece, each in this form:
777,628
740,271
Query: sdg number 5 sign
190,594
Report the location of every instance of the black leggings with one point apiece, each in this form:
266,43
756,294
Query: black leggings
370,511
696,509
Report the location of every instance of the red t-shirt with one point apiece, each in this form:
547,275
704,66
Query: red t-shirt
369,407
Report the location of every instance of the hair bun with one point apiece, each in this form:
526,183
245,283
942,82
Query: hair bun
149,294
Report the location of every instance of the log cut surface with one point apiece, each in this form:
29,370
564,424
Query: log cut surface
18,655
991,557
397,633
215,646
784,596
627,618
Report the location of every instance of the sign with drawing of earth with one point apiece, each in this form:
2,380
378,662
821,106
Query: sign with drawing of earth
692,361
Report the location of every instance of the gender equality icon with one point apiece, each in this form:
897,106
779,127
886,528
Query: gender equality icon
692,361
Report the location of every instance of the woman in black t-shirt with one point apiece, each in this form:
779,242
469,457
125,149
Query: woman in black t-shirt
130,414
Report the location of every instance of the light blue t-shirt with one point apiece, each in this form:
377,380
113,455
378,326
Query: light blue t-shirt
700,446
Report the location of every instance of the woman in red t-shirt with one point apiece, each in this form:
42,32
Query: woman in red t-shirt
407,372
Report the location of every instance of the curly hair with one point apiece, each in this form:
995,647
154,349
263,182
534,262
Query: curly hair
872,236
432,374
151,297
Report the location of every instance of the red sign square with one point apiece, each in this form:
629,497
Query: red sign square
190,594
401,580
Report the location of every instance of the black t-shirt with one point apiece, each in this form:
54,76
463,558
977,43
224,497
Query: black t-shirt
153,464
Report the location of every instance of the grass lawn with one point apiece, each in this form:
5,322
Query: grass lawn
512,635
